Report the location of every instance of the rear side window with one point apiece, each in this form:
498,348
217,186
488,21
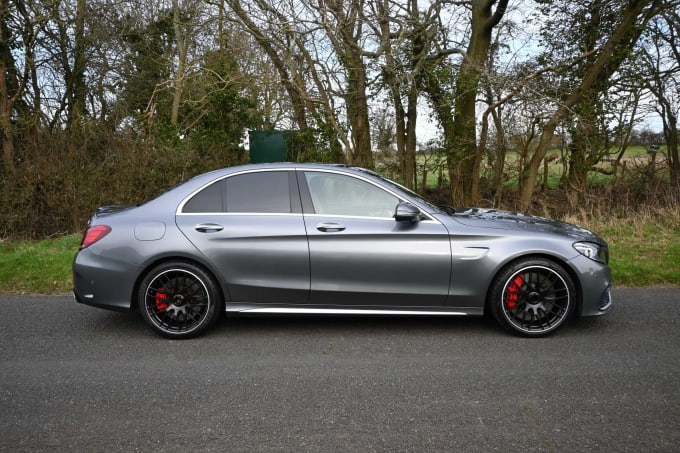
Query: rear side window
262,192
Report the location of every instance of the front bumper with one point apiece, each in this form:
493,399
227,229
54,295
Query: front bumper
596,286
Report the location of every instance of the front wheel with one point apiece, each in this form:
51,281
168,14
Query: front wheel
532,297
179,300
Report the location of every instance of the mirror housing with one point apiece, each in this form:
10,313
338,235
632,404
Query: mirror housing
406,212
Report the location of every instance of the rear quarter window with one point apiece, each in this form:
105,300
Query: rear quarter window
209,199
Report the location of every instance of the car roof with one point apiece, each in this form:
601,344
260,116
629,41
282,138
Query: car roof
198,181
286,165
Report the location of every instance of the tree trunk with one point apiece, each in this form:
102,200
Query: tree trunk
77,108
5,102
405,77
345,37
671,135
463,154
357,109
181,40
390,78
410,141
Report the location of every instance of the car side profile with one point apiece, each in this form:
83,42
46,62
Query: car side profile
313,239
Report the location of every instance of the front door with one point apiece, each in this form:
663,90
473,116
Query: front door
361,256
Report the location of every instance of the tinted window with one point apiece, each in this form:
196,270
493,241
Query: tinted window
207,200
263,192
334,194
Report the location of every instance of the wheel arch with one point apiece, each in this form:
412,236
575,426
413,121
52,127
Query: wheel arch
134,305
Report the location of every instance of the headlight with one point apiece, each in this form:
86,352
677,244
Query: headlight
593,251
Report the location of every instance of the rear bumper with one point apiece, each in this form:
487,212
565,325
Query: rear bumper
102,283
86,300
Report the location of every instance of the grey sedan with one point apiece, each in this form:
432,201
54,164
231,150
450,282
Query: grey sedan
333,240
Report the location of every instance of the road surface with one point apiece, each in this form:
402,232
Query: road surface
76,378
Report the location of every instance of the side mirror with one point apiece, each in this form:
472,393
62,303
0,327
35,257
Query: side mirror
406,212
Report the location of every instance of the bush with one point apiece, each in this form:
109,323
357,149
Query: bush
54,188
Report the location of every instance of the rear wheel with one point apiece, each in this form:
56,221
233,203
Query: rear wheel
532,297
179,300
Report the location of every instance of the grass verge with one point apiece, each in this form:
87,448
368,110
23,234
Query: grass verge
645,250
37,267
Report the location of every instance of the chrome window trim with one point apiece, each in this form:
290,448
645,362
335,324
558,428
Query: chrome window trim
230,214
180,207
388,219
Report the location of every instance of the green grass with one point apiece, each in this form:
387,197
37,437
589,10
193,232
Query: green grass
644,251
37,267
644,254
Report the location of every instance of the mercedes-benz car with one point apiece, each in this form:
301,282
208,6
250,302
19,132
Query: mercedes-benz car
313,239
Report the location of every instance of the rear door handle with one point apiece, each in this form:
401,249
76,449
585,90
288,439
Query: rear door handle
329,227
208,228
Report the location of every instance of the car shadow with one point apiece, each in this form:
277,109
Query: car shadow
354,324
114,323
131,325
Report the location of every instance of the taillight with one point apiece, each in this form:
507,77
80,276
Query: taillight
93,234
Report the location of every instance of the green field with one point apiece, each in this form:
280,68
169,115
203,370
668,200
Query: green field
634,156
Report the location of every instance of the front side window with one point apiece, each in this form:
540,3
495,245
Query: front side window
342,195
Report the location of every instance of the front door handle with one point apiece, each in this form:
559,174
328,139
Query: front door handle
208,228
329,227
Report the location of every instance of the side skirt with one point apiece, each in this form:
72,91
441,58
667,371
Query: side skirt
248,309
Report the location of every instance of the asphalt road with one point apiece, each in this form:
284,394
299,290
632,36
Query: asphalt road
76,378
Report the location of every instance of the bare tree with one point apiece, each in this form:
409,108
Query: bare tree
609,56
457,113
275,35
407,37
661,61
20,92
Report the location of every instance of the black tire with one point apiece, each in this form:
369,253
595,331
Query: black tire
179,300
532,297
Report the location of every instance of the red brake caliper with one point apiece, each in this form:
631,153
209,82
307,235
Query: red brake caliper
161,300
512,293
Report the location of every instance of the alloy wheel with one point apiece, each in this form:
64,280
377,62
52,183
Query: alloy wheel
536,300
177,302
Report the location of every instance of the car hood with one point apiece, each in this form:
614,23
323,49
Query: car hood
507,220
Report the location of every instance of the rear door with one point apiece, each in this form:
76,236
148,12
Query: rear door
360,255
250,227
